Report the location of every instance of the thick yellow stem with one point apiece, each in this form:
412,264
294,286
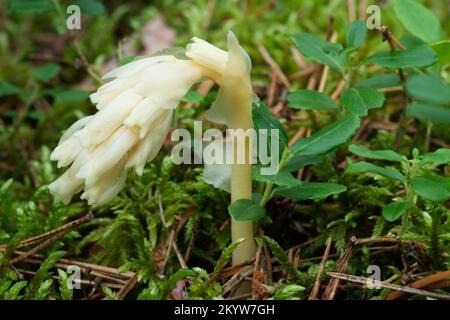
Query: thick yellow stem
241,188
233,108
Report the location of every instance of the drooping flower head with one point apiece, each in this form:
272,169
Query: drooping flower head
135,111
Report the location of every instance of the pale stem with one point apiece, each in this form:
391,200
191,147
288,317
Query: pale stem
241,188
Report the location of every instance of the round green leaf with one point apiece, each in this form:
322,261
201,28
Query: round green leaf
356,35
371,97
418,20
429,88
432,188
442,49
7,88
246,210
46,72
320,50
438,157
394,210
353,102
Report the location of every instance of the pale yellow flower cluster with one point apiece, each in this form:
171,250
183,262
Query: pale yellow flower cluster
135,113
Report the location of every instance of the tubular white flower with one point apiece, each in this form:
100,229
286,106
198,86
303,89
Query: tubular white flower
135,113
207,55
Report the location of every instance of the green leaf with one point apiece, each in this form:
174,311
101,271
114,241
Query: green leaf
356,35
394,210
193,96
442,49
381,81
320,50
422,56
71,95
264,119
438,157
353,102
282,258
418,20
90,7
371,97
46,72
429,112
31,6
107,291
225,257
281,178
66,292
328,138
428,88
409,41
288,292
246,210
7,88
311,99
433,188
311,190
387,155
14,291
298,161
179,275
363,166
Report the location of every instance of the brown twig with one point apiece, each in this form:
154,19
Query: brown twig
393,44
127,287
362,9
230,271
272,89
62,231
351,6
424,282
298,58
315,290
268,265
304,73
235,280
339,88
379,283
268,58
342,265
256,280
68,226
38,248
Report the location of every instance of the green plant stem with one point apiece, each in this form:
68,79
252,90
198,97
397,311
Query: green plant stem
426,146
434,238
267,195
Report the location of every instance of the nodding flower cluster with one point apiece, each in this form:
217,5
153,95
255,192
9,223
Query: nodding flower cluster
135,111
